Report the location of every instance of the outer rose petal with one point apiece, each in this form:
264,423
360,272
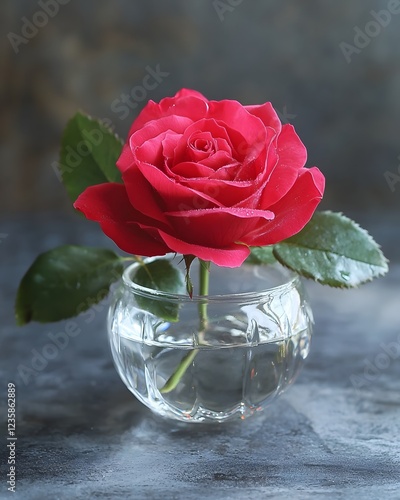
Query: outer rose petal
142,196
184,103
134,240
281,171
293,211
154,128
109,205
216,227
125,159
190,93
279,183
291,150
267,114
232,256
292,156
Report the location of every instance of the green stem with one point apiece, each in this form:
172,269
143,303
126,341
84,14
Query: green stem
187,360
175,378
204,286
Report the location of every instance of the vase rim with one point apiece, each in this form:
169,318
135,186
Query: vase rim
289,282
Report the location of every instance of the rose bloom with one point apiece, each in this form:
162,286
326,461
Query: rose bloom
208,179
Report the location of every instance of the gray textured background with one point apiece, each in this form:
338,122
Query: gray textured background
348,114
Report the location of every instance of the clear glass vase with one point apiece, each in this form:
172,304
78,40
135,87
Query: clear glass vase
251,349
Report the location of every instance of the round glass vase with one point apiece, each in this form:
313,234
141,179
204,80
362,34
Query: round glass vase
248,351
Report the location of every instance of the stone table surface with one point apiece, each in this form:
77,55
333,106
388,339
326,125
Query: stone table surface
81,434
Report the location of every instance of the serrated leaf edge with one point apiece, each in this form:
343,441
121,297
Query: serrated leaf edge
383,268
322,282
363,230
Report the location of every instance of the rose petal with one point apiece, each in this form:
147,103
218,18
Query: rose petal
125,159
152,150
291,150
290,156
226,172
142,196
231,256
189,169
109,205
293,211
259,157
224,192
108,201
218,227
278,184
267,115
131,238
175,196
218,160
169,145
201,145
154,128
233,115
186,102
261,182
210,126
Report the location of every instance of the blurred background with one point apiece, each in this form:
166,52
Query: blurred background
332,69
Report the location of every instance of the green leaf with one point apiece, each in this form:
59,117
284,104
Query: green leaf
333,250
65,281
163,276
89,151
261,255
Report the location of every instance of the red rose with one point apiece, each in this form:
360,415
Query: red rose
206,178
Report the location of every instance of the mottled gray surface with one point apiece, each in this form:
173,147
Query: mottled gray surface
82,435
92,51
